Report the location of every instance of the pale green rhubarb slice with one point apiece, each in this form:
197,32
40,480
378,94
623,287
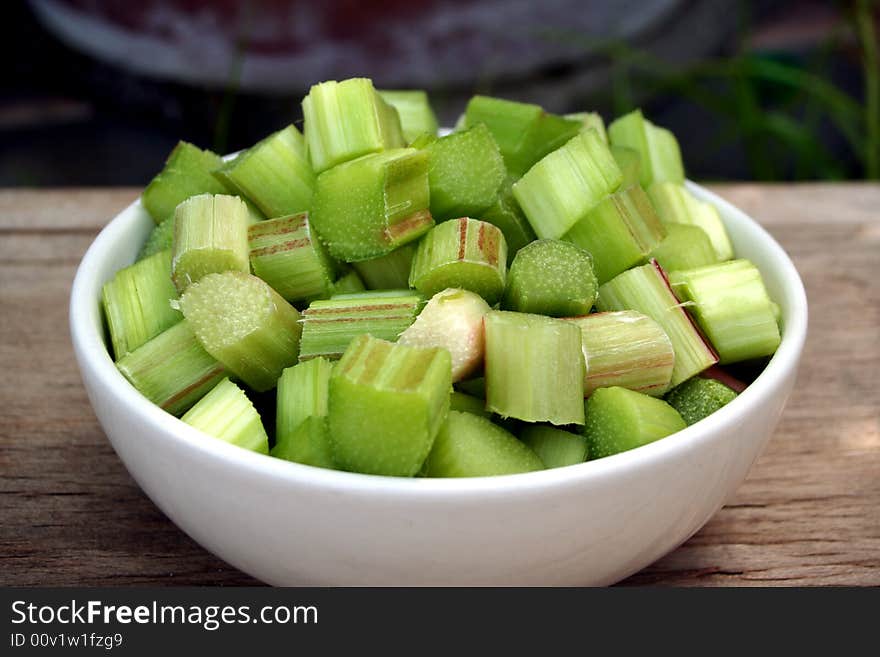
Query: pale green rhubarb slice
469,445
414,110
556,448
676,205
286,254
301,414
387,403
275,174
698,398
618,419
348,282
566,184
368,207
619,232
172,370
388,272
588,121
465,253
245,324
684,247
524,132
506,214
731,305
137,304
625,349
330,325
344,120
550,277
452,320
210,235
226,413
187,172
656,146
630,164
646,290
460,401
534,368
465,173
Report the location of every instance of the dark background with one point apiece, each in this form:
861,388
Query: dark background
97,93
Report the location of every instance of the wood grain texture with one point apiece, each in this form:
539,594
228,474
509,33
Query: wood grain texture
809,512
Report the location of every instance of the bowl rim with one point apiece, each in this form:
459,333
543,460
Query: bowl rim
93,355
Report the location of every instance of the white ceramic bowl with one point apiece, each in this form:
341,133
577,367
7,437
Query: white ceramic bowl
287,523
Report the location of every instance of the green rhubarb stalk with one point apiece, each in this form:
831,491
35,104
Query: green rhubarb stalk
524,132
630,164
676,205
618,420
466,173
368,207
625,349
329,326
226,413
588,121
172,370
619,232
465,253
301,412
464,403
344,120
684,247
245,324
275,174
564,186
468,445
414,110
556,448
698,398
187,172
550,277
210,235
656,146
348,283
137,304
646,290
285,253
534,368
731,305
386,405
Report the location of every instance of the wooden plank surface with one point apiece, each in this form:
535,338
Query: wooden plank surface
809,512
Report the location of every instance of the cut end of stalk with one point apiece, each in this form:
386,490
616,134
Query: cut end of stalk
550,277
285,253
452,320
244,324
226,413
210,235
465,253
